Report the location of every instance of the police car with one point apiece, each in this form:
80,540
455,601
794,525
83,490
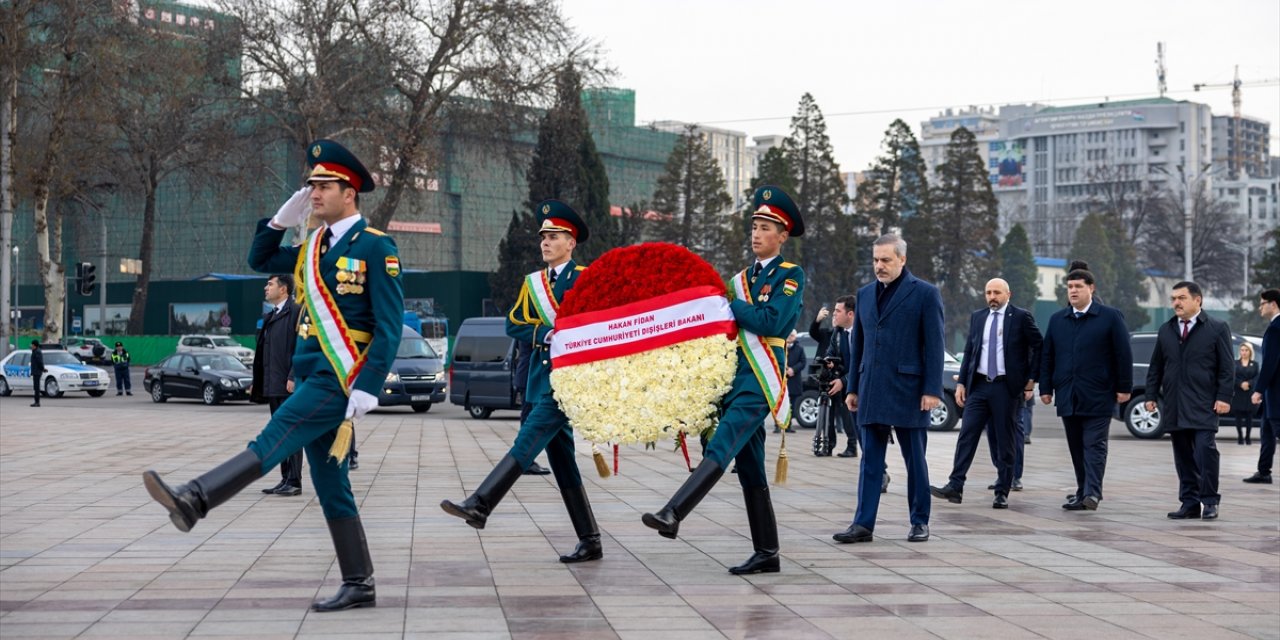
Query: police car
63,372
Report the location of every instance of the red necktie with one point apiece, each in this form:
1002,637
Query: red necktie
1186,326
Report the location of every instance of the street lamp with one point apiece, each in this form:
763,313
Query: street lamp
1188,206
13,324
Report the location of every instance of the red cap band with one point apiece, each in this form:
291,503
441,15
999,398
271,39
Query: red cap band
559,224
770,212
327,171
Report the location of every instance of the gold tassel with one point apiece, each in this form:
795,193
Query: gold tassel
342,441
780,474
602,465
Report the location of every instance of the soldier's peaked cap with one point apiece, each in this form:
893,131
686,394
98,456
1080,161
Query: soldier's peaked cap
554,215
330,161
772,203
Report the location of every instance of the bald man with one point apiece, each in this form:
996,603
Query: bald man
997,374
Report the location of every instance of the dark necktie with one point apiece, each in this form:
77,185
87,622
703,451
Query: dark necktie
755,272
1186,328
1079,314
270,316
324,240
992,362
551,276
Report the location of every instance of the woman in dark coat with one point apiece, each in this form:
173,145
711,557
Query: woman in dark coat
1242,407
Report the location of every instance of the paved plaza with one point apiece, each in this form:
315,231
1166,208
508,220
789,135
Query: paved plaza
84,553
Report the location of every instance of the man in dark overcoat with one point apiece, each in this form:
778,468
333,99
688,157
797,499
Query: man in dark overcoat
1266,387
1190,380
273,368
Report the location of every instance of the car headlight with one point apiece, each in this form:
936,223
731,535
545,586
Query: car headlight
228,382
393,377
68,376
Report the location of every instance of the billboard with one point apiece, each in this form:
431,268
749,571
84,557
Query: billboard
1006,160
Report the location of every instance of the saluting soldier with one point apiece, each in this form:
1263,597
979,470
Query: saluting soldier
533,320
348,333
766,306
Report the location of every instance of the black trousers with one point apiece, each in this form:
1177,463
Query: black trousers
990,408
1087,441
1195,457
291,467
1267,452
36,376
123,383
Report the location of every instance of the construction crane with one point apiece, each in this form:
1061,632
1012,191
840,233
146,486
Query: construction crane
1237,157
1160,70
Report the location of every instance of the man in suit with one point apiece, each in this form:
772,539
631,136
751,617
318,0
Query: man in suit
348,335
273,368
766,305
796,371
997,374
1087,363
1267,385
37,371
841,346
1190,380
894,381
532,320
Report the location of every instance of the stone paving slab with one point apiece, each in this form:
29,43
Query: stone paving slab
84,553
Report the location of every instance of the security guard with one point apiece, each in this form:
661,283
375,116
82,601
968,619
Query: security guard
349,285
120,363
766,305
532,319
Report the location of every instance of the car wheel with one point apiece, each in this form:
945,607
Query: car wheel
4,388
157,391
51,389
479,413
1141,423
807,410
96,394
421,407
945,416
209,394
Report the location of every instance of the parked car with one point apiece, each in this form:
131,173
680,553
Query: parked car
63,372
417,376
481,369
211,376
223,344
1145,424
943,418
87,349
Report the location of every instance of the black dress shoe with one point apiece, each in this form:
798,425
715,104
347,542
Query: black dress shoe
855,533
1090,503
355,464
1001,502
847,453
274,489
950,493
1073,505
1210,512
36,404
1186,512
288,490
588,549
1017,484
1257,478
884,483
919,533
1026,440
991,487
536,469
759,562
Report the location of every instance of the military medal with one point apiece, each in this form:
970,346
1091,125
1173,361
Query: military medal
764,293
342,288
343,276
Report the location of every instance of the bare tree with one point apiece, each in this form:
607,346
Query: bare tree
1127,197
1214,228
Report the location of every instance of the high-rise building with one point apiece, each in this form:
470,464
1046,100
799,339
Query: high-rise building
936,132
1250,148
730,150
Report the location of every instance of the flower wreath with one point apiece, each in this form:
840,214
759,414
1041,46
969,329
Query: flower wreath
644,346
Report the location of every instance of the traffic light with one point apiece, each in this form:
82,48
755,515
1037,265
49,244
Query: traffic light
86,276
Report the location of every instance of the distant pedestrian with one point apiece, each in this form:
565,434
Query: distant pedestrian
796,363
273,381
1266,387
1242,407
1190,381
120,364
841,346
37,370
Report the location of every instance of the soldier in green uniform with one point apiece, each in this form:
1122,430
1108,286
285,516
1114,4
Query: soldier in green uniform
766,306
349,284
532,320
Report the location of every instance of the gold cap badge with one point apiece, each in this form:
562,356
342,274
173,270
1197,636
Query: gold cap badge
767,194
315,151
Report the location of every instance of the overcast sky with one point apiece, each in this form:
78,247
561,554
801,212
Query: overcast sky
732,64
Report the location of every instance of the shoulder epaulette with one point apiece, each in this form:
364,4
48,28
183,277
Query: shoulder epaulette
788,265
579,267
375,231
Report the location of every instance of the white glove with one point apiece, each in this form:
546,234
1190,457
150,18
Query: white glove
360,403
294,212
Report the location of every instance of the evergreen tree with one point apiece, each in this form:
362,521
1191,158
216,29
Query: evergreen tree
895,187
692,191
954,243
1018,268
1129,288
1093,246
825,252
518,255
1266,269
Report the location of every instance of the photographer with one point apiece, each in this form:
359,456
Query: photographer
820,333
837,355
796,363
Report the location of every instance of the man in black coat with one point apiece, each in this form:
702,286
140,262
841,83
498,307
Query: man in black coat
37,372
997,374
1266,388
841,346
273,368
1087,363
1190,380
795,370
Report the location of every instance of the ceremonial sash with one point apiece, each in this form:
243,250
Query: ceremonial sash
672,318
544,300
336,340
763,363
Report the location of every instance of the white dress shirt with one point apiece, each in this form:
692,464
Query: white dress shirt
997,316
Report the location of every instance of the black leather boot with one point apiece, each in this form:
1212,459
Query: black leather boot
352,549
667,521
192,501
477,507
584,524
764,533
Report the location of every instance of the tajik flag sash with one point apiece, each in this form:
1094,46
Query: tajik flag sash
539,287
327,322
763,363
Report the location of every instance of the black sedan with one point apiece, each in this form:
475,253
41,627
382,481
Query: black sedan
417,376
213,377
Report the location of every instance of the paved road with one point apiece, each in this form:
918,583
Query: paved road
85,553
